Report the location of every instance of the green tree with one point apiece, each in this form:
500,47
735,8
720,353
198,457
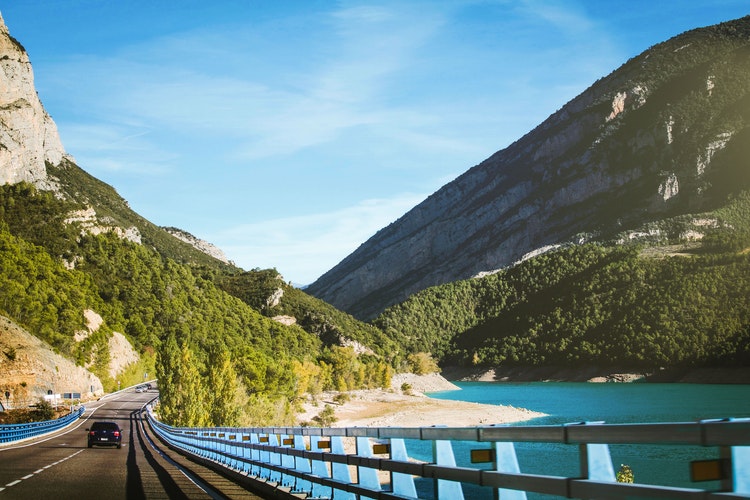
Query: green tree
224,408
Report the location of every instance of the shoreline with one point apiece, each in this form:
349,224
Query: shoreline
596,374
407,402
395,407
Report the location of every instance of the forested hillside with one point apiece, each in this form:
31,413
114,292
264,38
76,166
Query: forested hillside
208,346
597,304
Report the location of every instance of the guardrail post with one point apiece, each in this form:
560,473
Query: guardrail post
287,461
234,451
366,476
264,457
741,469
507,461
245,452
403,484
340,471
301,464
274,459
320,469
596,462
256,455
443,453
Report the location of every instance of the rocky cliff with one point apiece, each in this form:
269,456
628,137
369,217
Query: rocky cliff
29,368
665,134
28,136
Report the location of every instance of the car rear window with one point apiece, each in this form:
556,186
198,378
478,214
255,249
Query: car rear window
104,426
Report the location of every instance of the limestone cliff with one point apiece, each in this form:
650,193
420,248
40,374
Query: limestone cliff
668,133
28,136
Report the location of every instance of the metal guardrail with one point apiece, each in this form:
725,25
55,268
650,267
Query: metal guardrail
17,432
313,462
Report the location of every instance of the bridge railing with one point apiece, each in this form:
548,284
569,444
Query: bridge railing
369,462
18,432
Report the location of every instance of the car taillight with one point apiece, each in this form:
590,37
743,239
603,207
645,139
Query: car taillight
116,433
92,433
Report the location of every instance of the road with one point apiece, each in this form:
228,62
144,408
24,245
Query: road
62,466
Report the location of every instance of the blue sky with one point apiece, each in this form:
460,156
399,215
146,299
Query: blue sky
288,132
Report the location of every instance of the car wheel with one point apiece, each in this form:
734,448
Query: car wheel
90,445
119,446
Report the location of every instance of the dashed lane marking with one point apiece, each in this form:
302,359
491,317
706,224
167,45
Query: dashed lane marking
29,476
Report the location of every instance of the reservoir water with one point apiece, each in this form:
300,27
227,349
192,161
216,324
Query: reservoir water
611,403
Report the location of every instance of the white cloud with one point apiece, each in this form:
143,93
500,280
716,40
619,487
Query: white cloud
304,247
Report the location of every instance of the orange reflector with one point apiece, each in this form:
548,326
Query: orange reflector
381,448
287,441
232,436
263,439
221,435
324,445
246,438
482,456
708,470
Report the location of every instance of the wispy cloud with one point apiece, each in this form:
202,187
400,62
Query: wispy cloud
304,246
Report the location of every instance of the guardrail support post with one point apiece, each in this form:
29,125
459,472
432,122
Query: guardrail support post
595,460
507,461
264,457
446,490
320,469
288,462
340,471
741,469
274,459
403,484
245,452
366,476
598,463
302,464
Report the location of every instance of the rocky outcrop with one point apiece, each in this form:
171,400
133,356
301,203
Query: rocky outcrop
28,136
659,137
29,368
202,245
89,223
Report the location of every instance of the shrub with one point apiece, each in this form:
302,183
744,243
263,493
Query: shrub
325,418
44,410
625,474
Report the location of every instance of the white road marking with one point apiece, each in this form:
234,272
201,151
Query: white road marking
29,476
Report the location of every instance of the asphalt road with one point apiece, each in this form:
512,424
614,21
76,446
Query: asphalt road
62,466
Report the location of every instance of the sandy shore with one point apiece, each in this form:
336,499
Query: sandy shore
397,408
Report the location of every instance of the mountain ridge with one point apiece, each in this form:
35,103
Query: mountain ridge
663,134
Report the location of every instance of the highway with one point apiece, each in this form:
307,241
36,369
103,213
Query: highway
62,466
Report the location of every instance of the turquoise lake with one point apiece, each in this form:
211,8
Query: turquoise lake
611,403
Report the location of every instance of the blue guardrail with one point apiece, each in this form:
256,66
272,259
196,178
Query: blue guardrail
17,432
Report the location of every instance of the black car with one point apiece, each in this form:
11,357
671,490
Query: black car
105,434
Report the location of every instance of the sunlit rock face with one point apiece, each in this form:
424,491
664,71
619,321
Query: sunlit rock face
28,136
665,134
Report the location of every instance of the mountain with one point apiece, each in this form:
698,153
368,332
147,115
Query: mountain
666,134
28,136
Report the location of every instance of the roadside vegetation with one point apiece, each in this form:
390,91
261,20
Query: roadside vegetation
40,412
